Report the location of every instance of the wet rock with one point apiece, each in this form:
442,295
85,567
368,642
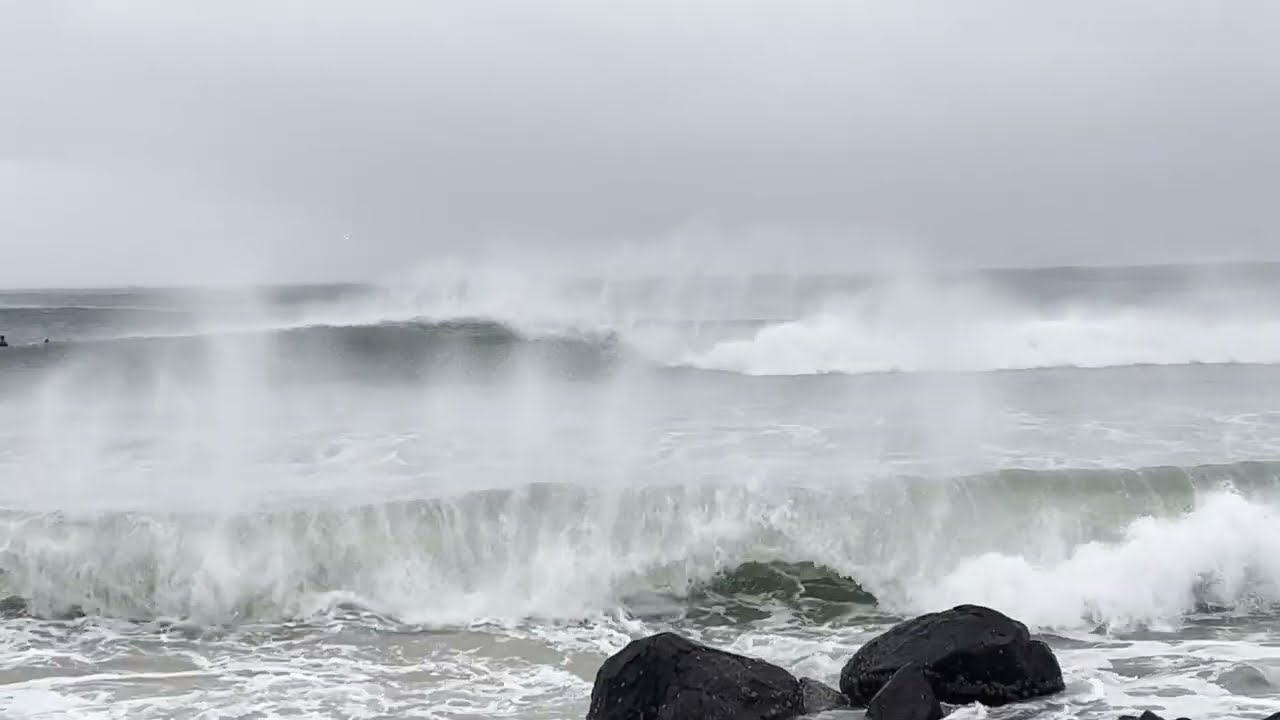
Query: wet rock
74,612
669,677
968,653
13,607
907,696
1146,715
816,697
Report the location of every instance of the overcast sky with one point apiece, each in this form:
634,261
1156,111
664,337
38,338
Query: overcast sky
154,142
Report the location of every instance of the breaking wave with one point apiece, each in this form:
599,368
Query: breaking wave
754,325
1056,548
838,343
823,344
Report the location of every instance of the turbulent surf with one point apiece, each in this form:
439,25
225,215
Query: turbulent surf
465,492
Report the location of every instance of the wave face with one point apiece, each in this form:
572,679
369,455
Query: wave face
1057,548
384,351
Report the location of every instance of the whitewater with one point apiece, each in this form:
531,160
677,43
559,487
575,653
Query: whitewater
453,493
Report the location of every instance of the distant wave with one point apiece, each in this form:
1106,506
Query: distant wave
1059,548
490,325
824,344
387,349
389,333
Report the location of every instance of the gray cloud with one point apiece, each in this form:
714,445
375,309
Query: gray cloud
150,141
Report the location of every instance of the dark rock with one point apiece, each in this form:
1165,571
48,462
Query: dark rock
816,697
1146,715
1273,716
668,677
74,612
907,696
14,607
968,653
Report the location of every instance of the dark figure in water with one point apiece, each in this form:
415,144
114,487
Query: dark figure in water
2,342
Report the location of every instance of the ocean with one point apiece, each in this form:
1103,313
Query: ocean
454,493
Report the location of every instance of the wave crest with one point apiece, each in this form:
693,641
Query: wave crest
1065,550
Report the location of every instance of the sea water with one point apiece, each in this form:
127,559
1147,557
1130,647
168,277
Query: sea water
452,495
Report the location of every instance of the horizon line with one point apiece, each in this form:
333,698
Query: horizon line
581,277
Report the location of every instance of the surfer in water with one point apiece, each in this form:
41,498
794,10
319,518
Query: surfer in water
3,342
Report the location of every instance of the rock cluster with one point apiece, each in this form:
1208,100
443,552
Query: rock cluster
958,656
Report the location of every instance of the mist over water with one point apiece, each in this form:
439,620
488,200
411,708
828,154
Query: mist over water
445,461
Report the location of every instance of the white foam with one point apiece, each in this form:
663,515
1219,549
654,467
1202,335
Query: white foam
1225,552
846,343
